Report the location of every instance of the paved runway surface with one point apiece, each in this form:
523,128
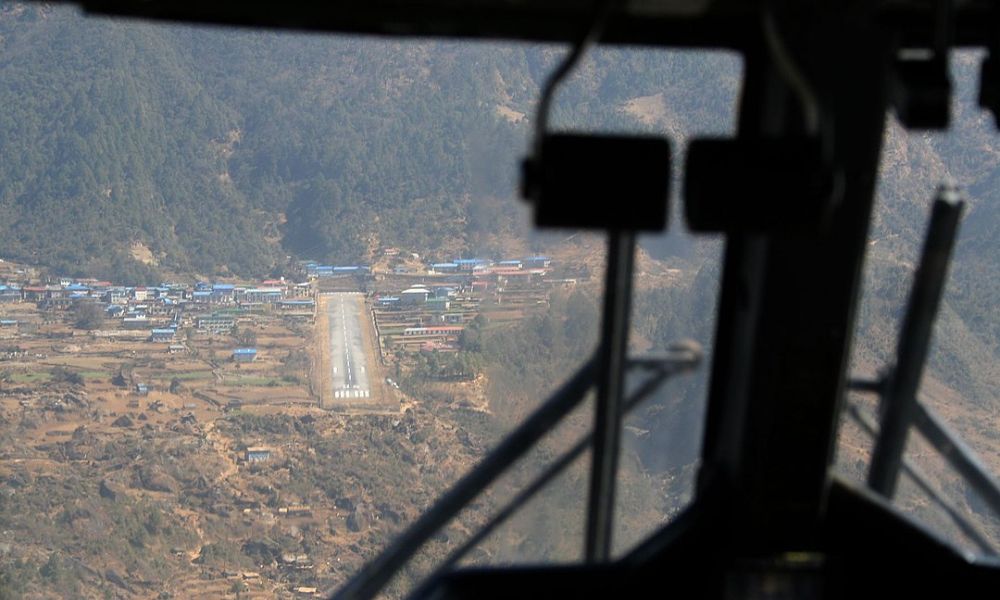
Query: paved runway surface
347,354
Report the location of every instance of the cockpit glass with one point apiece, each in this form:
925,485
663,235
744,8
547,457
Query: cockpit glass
959,383
265,296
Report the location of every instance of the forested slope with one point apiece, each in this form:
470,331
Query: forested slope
226,151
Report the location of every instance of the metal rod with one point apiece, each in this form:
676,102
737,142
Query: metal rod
900,399
960,456
876,386
666,370
922,482
550,473
610,386
376,574
683,352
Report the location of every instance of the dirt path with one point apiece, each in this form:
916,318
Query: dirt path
193,519
222,446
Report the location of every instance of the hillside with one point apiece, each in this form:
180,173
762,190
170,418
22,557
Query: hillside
225,151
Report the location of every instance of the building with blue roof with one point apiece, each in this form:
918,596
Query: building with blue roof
449,267
537,262
162,335
245,355
223,292
331,271
296,304
9,294
319,270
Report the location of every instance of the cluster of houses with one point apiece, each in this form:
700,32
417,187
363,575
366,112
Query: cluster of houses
157,310
467,275
480,275
468,266
443,306
432,315
271,291
486,266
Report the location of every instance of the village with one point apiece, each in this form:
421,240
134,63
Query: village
191,367
236,343
427,311
412,309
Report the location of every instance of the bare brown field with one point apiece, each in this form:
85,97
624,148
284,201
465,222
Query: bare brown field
320,353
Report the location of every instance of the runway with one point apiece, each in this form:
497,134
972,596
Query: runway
347,353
